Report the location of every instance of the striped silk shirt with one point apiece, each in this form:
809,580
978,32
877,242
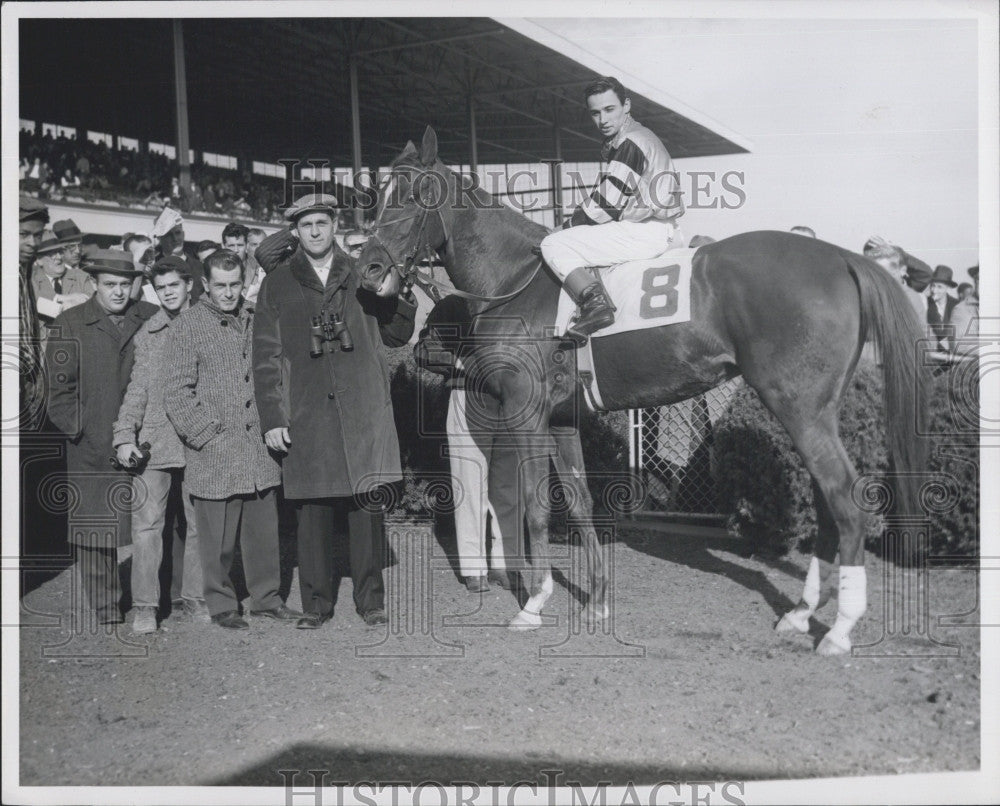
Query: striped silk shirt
639,184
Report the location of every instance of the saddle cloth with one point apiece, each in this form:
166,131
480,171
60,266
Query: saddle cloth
647,293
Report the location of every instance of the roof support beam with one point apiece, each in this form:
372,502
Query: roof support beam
359,215
180,93
423,42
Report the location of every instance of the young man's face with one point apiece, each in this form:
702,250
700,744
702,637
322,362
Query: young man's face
237,244
113,292
894,265
253,241
316,231
30,237
172,290
608,113
353,245
224,287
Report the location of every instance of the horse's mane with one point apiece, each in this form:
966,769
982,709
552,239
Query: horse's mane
517,226
515,220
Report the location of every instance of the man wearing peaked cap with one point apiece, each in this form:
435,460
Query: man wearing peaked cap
912,274
89,356
313,203
324,405
965,320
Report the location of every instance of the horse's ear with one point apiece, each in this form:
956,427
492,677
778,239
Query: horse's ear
429,148
410,148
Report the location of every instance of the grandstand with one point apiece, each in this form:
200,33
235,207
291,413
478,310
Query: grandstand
246,96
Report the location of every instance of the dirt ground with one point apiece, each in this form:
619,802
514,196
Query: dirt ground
687,682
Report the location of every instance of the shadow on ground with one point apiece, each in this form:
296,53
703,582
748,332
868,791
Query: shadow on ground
353,766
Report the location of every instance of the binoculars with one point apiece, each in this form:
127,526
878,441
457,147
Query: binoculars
134,465
329,328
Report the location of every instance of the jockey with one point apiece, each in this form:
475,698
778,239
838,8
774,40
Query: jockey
631,214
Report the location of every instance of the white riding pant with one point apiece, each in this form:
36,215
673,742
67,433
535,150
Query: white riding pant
608,244
470,455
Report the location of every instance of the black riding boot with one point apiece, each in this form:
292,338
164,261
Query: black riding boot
596,310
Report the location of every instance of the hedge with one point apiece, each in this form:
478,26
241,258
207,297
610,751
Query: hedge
767,492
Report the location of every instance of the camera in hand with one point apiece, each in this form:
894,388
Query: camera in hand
135,463
326,329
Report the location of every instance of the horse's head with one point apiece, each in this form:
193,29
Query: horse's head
413,219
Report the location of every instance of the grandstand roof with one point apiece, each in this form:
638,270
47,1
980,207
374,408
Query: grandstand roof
268,89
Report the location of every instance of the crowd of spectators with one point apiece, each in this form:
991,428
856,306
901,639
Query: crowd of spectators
140,371
75,169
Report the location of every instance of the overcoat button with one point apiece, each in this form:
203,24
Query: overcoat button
248,403
224,323
331,395
248,426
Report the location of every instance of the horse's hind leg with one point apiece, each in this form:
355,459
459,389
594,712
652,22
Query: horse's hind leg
819,444
572,474
819,579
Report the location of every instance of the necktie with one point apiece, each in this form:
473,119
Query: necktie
57,285
933,315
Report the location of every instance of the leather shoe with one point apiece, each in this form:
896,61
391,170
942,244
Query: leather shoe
500,578
476,584
230,620
279,613
312,621
374,617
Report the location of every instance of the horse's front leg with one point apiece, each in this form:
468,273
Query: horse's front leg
533,471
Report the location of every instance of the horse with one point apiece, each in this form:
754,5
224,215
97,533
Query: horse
790,314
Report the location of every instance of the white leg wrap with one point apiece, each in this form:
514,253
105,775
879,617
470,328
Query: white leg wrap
851,605
530,617
810,593
797,620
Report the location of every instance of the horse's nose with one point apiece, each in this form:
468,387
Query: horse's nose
372,275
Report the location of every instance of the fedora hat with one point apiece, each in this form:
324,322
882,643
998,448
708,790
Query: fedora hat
49,243
110,261
942,274
312,203
67,232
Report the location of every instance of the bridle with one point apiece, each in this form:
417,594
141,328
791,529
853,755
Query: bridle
408,267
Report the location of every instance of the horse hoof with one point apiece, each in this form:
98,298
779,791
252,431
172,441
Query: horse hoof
793,623
524,622
831,646
595,615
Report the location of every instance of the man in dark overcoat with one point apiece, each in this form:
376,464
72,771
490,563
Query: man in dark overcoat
324,403
89,356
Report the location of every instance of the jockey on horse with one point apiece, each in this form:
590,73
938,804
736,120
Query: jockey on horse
630,215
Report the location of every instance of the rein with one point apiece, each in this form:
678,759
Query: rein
409,270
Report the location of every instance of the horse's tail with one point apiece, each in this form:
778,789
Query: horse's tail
887,316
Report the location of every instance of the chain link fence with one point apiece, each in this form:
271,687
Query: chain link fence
672,450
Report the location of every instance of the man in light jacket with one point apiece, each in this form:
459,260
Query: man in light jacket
143,419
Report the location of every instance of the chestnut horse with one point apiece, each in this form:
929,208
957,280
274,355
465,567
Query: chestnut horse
788,313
